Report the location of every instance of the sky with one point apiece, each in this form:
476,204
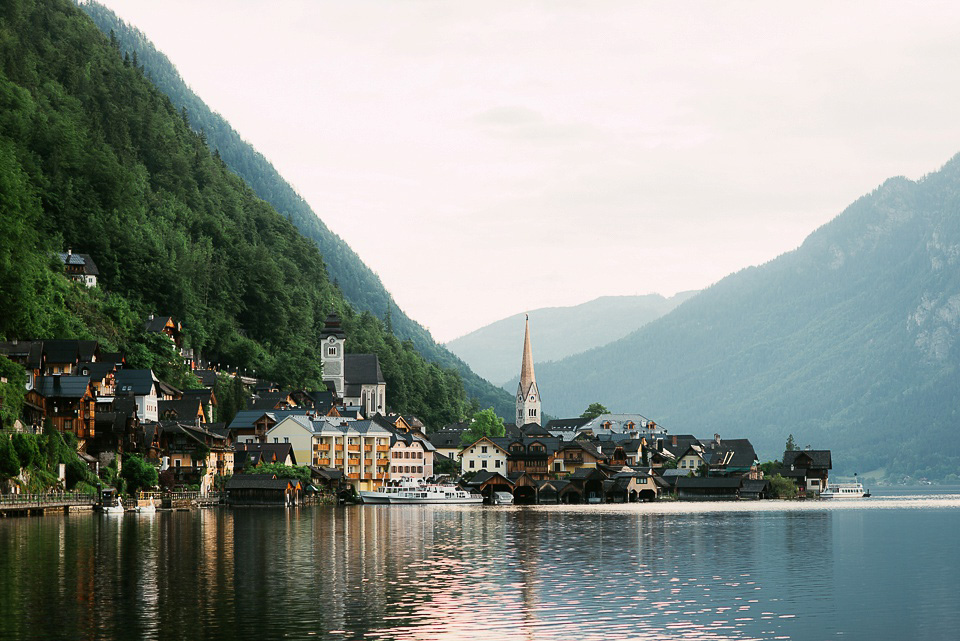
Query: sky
485,158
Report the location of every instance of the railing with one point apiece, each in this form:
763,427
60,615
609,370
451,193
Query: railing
322,448
323,461
383,448
383,461
55,498
353,461
367,448
368,461
353,448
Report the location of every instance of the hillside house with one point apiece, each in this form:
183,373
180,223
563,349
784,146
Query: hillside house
79,267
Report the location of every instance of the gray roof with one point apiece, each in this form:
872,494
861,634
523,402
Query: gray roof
362,369
97,371
257,482
79,260
446,438
708,482
62,386
185,409
139,382
244,419
821,459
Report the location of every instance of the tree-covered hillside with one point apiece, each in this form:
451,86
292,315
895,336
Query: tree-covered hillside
360,285
93,157
849,342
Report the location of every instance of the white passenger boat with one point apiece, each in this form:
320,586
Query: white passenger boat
416,491
844,491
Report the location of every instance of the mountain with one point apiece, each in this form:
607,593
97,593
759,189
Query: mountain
493,351
849,342
358,283
94,158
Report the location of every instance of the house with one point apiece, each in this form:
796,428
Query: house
731,457
297,430
487,483
630,485
484,454
632,425
102,378
410,456
447,440
574,455
263,489
566,428
586,485
251,426
272,401
68,402
692,459
79,267
165,325
144,386
809,468
532,455
253,454
207,399
195,454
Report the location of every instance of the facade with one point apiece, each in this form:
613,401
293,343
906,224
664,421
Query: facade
528,394
361,449
484,454
410,457
298,431
144,386
79,267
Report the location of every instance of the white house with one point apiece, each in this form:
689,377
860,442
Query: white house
483,454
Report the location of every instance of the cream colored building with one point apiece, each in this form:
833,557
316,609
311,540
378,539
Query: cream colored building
483,454
360,448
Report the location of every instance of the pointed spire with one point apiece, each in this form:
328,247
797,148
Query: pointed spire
527,377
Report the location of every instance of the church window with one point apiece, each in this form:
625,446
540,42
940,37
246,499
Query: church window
532,412
331,351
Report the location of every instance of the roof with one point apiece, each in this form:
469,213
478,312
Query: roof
157,324
244,419
819,458
268,400
183,409
567,424
139,382
62,351
257,453
62,386
362,369
447,438
97,371
737,452
331,327
79,260
115,422
208,377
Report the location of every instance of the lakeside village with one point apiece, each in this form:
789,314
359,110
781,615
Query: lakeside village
287,447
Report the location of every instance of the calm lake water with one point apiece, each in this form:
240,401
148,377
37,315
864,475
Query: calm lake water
880,568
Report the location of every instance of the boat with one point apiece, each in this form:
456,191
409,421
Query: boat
110,502
502,498
418,492
146,506
844,491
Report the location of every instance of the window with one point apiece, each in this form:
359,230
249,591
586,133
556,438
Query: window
472,464
331,351
276,440
498,462
483,463
176,463
483,449
286,439
532,412
557,466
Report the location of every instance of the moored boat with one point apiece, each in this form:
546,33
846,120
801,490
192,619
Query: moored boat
844,491
416,491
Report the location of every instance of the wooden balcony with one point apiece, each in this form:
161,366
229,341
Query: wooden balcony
383,462
353,476
353,461
367,448
339,462
322,447
353,449
325,462
383,448
367,462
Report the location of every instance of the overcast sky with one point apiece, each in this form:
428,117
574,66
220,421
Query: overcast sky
487,158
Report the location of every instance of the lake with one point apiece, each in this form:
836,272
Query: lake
887,567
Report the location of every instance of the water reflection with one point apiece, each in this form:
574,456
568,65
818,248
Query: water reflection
692,571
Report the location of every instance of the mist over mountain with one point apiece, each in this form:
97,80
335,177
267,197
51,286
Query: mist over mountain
359,284
849,342
493,351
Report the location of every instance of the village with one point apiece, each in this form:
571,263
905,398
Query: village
350,441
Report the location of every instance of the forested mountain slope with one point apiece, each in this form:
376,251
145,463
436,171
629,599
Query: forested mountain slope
849,342
95,158
493,351
360,285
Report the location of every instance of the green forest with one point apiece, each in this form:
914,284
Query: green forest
93,157
360,286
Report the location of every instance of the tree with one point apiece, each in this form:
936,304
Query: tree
791,444
782,488
27,451
485,423
138,473
593,411
9,463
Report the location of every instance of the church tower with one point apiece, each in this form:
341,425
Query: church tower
331,357
528,395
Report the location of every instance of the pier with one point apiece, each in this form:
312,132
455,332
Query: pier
40,504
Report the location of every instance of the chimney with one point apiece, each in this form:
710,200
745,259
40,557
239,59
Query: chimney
716,439
673,440
69,252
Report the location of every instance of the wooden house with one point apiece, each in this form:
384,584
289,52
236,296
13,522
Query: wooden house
68,401
263,489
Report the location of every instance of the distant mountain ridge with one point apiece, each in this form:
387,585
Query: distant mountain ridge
359,284
493,351
849,342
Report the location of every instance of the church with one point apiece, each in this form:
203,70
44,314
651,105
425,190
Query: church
528,395
356,378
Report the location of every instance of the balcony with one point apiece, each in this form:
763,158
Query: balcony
339,462
367,448
353,461
383,448
353,476
367,462
324,462
383,462
353,449
322,448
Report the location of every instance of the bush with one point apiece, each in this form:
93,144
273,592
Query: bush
77,471
9,463
138,474
782,488
27,449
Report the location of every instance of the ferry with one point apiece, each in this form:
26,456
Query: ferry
844,491
417,492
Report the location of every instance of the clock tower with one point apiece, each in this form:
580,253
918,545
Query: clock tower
332,340
528,395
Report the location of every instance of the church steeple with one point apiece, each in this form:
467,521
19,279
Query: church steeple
528,396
